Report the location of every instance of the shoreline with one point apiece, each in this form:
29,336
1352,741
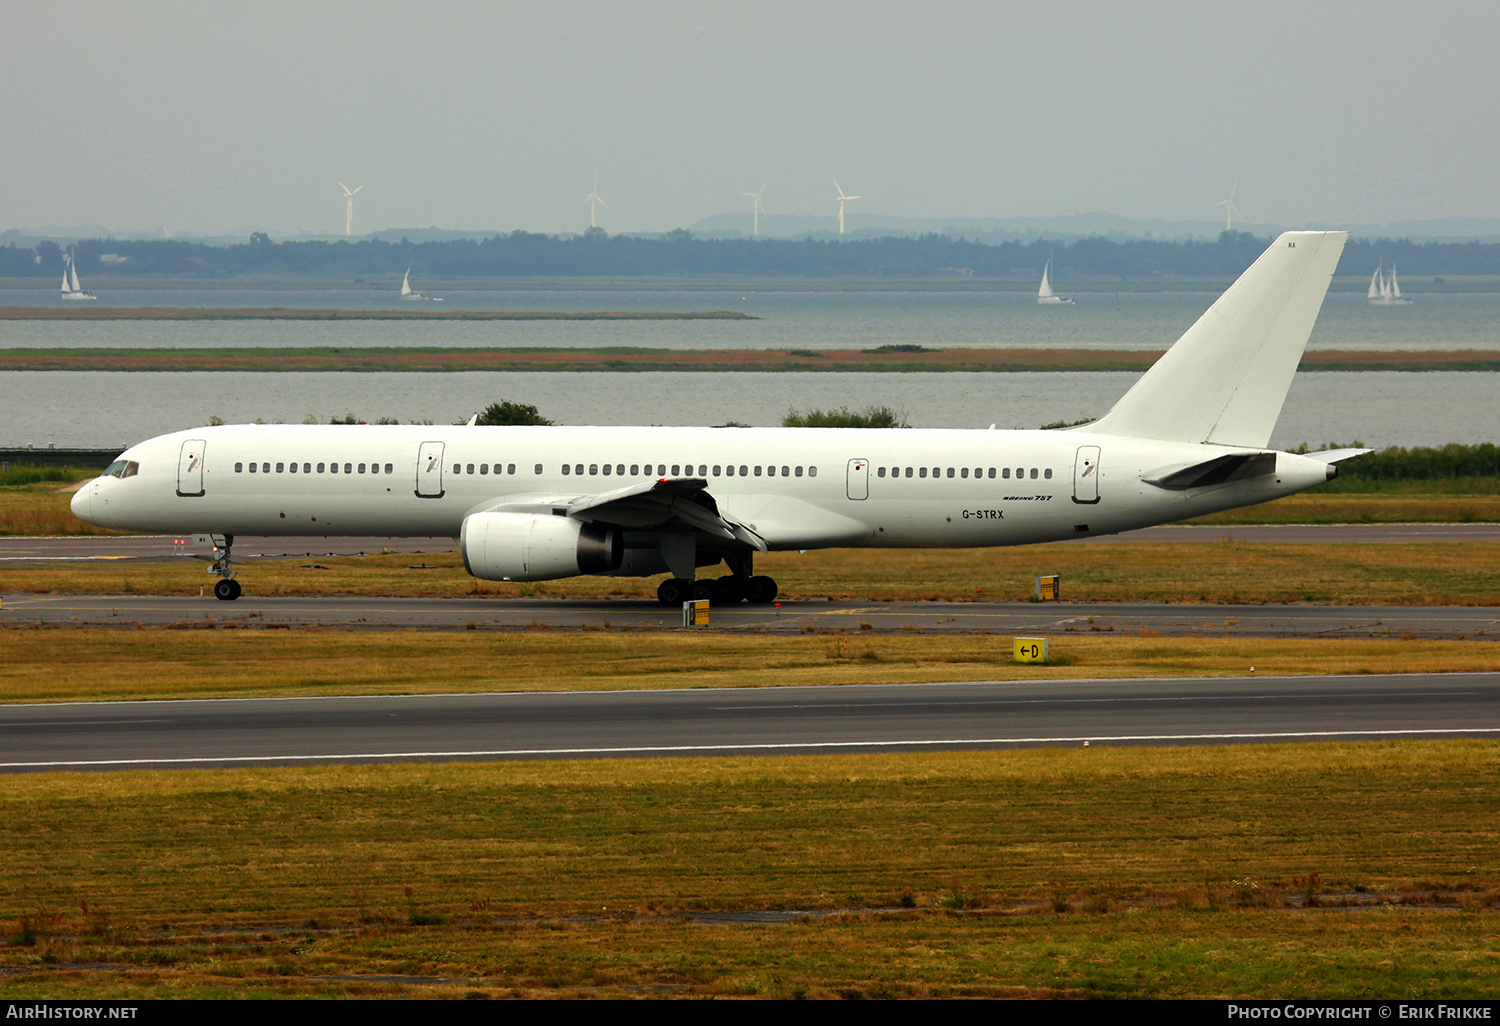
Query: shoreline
630,359
182,313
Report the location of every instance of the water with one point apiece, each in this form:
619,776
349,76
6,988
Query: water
95,408
108,408
786,320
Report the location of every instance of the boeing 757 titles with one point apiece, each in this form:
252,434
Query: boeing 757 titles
538,503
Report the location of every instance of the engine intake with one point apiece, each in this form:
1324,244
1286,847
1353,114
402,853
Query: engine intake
525,547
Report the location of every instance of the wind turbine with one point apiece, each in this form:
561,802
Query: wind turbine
1230,210
842,200
349,211
758,208
593,198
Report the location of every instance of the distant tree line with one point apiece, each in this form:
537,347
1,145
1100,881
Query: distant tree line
526,254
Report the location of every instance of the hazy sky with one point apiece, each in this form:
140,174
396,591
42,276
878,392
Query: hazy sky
209,117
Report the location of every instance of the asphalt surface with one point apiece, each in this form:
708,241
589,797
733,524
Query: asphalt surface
760,721
1479,623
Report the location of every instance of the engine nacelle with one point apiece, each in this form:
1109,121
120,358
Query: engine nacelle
525,547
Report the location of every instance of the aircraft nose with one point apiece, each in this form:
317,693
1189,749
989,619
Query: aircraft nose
82,504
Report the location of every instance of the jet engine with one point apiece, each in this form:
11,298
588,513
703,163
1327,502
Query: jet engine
524,547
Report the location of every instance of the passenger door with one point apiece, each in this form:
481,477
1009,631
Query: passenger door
190,468
1086,475
859,479
430,471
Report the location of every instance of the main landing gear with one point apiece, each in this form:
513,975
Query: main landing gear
734,588
227,589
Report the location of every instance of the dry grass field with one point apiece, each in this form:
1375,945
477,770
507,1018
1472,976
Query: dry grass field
1310,871
1226,572
111,664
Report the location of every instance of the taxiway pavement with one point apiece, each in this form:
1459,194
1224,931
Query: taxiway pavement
757,721
1478,623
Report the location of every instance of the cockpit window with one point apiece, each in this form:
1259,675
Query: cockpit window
123,468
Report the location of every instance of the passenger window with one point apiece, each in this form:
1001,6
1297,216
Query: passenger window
538,468
635,470
1047,473
265,468
812,471
361,468
950,471
1033,473
512,469
620,470
992,472
757,472
880,472
578,469
923,472
320,468
675,468
718,469
348,468
703,470
1005,472
470,469
770,471
238,468
484,468
292,467
744,470
253,468
608,470
280,467
458,468
965,472
786,471
566,470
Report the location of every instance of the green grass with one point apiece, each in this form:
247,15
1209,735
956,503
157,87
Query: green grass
1083,873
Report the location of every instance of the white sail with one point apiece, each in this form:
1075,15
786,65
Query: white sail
1395,288
70,286
1374,292
406,283
1045,295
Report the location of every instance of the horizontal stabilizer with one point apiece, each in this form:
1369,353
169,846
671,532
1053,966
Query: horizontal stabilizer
1336,455
1219,470
1225,379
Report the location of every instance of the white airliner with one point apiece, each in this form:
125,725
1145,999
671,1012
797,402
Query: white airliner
537,503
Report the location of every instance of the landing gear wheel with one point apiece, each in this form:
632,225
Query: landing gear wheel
731,589
760,590
705,590
227,591
673,591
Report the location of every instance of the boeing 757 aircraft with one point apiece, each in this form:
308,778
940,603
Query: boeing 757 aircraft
537,503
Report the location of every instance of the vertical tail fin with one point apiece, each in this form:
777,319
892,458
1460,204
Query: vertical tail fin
1225,379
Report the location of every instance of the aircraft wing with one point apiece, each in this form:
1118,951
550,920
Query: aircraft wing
655,504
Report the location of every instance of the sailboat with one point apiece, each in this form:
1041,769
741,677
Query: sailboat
70,287
1045,294
407,293
1385,290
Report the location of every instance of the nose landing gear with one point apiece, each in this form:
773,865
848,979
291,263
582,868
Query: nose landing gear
227,589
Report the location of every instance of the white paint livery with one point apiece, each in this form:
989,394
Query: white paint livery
533,503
